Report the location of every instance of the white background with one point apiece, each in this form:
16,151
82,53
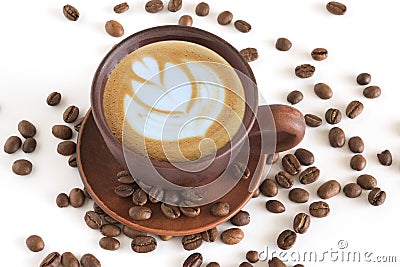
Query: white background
42,52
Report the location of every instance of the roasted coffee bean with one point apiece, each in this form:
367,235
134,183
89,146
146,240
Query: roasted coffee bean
376,196
356,144
319,209
249,54
358,162
241,218
220,209
62,200
272,158
131,233
224,18
304,156
309,175
53,99
114,28
294,97
73,161
232,236
354,108
12,144
194,260
171,212
252,256
171,197
210,235
283,44
256,193
242,26
312,120
93,220
70,114
66,148
140,213
276,262
192,242
304,71
62,131
76,197
143,244
51,260
333,116
89,260
367,181
269,188
245,264
239,171
299,195
323,91
352,190
298,265
69,260
284,179
125,177
165,237
189,210
319,54
385,158
191,195
337,138
372,91
185,20
22,167
213,264
71,13
124,190
121,8
109,243
336,8
286,239
363,78
291,164
275,206
35,243
202,9
26,129
78,124
154,6
301,223
86,193
97,209
110,230
329,189
156,194
174,5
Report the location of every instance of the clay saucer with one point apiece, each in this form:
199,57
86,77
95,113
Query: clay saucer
98,169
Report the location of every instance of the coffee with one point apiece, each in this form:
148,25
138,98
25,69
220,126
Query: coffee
167,110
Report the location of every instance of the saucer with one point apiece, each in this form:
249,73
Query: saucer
98,169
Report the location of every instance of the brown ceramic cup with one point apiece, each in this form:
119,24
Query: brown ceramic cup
288,122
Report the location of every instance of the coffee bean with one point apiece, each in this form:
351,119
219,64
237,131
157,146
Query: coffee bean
301,223
110,230
272,158
269,188
51,260
121,8
143,244
239,171
62,131
97,209
312,120
309,175
376,196
71,13
154,6
323,91
213,264
333,116
304,71
319,209
53,99
171,212
139,197
256,193
276,262
125,177
354,108
275,206
89,260
363,78
185,20
299,195
241,218
69,260
156,194
140,213
298,265
76,197
73,161
192,195
358,162
337,137
66,148
131,233
304,156
284,179
124,190
26,129
86,193
70,114
192,242
329,189
202,9
224,18
385,158
22,167
294,97
165,237
283,44
12,144
232,236
319,54
189,210
78,124
62,200
286,239
352,190
245,264
242,26
194,260
174,5
336,8
109,243
109,219
367,181
220,209
356,144
252,256
35,243
249,54
210,235
372,91
114,28
93,220
291,164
